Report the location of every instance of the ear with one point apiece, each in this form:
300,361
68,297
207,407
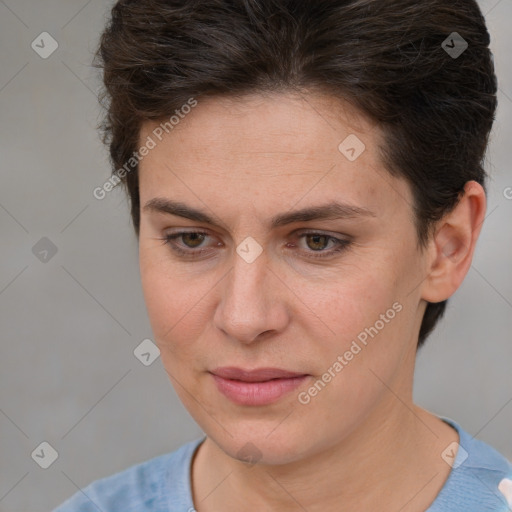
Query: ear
453,244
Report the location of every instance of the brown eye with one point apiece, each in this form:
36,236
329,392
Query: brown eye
317,244
195,239
319,241
191,245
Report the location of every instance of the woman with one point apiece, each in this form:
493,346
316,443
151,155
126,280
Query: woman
307,189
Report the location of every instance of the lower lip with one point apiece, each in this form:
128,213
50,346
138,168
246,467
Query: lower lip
257,393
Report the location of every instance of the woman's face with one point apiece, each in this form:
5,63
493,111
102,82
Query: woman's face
335,299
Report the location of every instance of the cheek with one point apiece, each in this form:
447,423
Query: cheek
160,294
369,322
352,304
358,363
175,301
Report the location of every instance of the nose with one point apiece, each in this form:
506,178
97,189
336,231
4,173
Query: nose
253,302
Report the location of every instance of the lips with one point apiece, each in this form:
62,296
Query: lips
258,387
257,375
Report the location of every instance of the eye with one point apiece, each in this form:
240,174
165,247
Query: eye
318,241
193,241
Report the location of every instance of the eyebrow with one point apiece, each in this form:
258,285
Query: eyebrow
330,211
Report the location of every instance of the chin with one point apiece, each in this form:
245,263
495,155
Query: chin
262,451
254,442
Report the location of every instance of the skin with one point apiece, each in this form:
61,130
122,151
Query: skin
361,443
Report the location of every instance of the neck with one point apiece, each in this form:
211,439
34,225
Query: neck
391,462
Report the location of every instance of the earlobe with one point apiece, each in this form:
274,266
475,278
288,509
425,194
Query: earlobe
452,246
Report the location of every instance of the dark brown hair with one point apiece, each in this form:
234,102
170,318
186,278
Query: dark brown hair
387,58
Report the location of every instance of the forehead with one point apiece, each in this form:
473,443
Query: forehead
282,121
267,148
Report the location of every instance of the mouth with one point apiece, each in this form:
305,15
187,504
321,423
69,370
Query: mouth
261,386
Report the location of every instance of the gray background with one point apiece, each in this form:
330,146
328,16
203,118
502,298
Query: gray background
70,325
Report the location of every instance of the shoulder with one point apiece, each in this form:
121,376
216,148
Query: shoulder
480,479
146,487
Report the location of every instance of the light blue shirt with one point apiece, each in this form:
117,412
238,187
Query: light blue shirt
480,480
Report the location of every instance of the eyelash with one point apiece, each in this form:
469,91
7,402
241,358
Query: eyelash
341,244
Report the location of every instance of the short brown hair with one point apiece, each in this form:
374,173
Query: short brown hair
387,58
